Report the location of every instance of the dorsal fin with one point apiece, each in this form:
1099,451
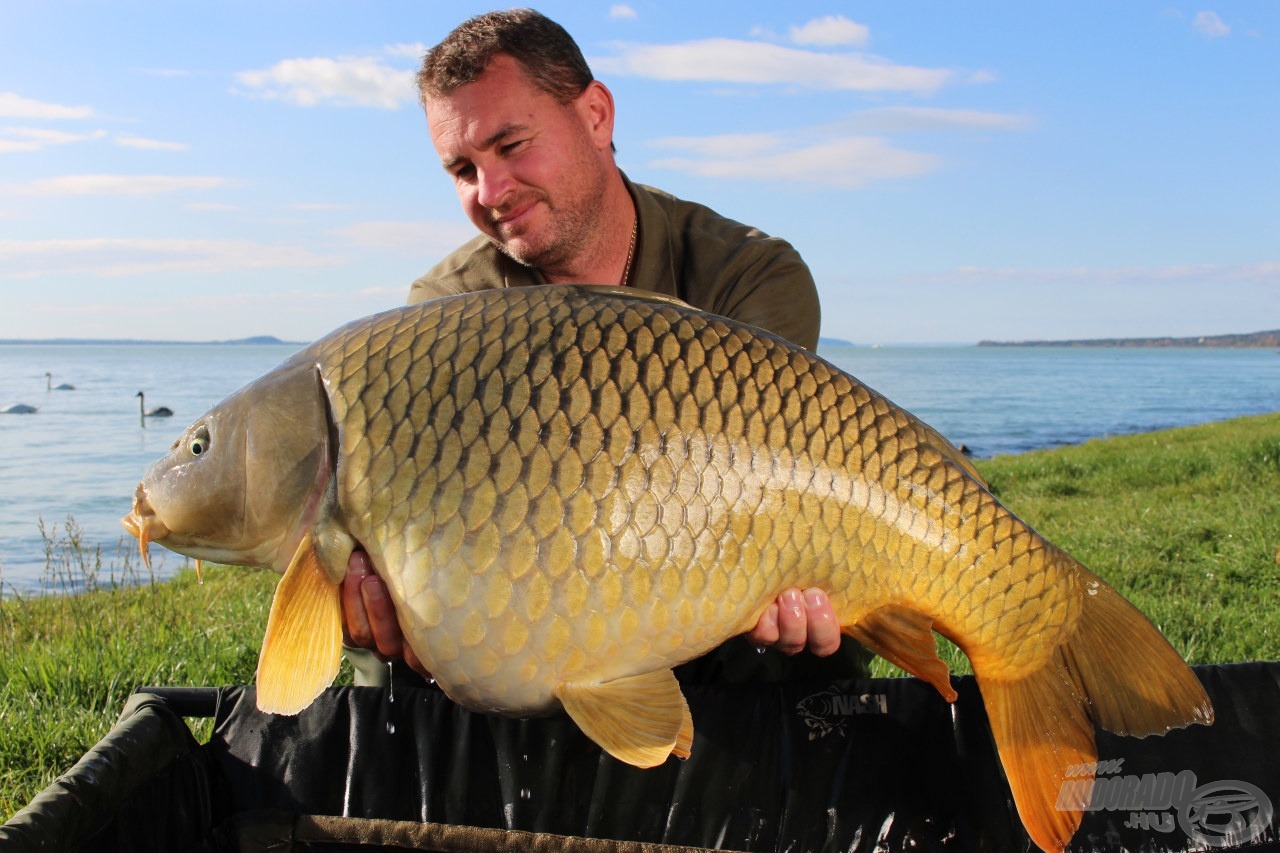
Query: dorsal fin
631,293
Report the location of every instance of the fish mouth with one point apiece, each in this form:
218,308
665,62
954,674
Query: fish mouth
143,524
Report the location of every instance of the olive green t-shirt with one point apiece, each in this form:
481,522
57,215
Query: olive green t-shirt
684,250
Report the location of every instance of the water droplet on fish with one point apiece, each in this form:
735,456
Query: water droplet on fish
760,650
525,794
391,728
431,681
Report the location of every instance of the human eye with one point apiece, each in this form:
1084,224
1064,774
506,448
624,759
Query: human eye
463,172
513,147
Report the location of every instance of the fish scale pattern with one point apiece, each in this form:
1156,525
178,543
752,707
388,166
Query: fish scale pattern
561,486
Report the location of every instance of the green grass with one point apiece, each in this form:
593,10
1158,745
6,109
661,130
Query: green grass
68,662
1185,523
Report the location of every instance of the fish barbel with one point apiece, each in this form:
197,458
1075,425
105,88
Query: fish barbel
569,490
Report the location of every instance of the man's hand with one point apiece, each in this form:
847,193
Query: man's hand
797,620
369,617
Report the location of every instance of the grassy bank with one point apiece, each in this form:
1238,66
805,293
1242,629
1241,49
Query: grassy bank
1186,523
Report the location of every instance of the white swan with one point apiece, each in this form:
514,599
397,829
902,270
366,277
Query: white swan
49,386
144,412
18,409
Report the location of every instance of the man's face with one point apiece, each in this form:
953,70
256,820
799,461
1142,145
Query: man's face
529,171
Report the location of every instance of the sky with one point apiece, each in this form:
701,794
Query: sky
951,171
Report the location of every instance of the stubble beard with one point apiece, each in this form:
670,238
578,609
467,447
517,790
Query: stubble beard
569,233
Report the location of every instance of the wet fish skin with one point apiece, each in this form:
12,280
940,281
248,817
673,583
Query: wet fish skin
569,491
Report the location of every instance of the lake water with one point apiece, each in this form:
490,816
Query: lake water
83,452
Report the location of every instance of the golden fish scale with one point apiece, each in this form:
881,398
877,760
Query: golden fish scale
564,489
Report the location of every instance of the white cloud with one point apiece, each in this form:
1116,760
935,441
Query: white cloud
213,207
347,81
15,106
117,185
410,50
14,139
321,206
843,162
426,238
1209,25
150,144
722,60
831,31
622,12
908,119
113,257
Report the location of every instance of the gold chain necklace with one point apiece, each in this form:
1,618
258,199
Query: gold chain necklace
631,251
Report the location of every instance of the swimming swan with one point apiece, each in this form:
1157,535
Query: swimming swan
49,386
144,412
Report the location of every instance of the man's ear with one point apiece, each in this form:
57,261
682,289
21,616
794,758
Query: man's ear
595,108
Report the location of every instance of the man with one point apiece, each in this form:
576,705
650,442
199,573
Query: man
526,134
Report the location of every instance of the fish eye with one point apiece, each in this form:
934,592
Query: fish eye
198,444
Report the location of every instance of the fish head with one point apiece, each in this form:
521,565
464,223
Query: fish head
242,484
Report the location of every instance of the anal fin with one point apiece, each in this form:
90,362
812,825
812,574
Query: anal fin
1042,731
640,719
302,648
904,637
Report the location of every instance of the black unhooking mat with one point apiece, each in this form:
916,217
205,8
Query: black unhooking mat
872,764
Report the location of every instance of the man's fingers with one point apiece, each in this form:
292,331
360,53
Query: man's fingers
822,625
765,633
793,622
382,617
799,620
355,621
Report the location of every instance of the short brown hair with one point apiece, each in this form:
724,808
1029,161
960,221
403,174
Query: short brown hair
544,49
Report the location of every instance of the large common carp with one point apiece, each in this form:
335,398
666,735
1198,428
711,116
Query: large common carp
569,490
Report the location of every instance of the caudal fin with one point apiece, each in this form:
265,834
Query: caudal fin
1115,671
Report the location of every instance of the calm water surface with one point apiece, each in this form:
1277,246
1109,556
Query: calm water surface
83,452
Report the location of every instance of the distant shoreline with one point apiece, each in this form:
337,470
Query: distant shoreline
1252,340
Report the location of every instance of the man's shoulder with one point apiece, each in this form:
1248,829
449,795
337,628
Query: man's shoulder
475,265
683,214
478,253
726,267
695,227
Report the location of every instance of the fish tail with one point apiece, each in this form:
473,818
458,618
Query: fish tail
1114,670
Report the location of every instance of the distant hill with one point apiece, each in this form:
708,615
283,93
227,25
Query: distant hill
1253,339
257,339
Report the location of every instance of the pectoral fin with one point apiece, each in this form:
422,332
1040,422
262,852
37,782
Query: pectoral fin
904,637
302,648
640,719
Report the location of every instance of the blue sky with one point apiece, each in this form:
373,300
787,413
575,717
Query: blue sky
952,171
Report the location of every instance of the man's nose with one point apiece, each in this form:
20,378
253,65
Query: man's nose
494,185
